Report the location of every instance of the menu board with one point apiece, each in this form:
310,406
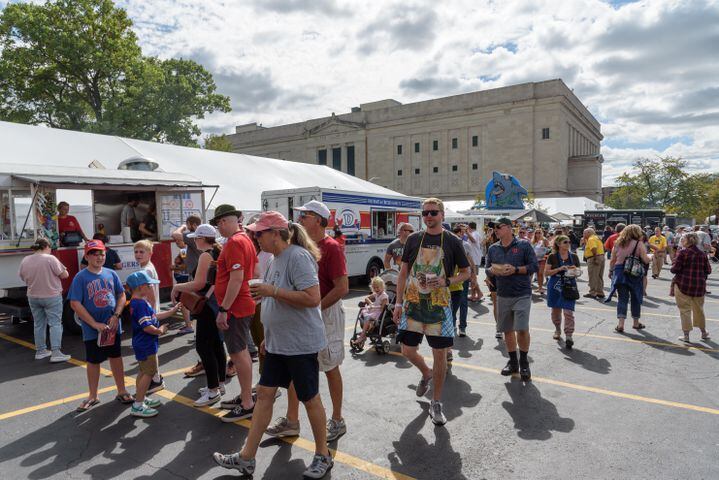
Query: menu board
175,208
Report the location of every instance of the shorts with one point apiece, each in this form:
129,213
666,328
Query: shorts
513,313
302,370
413,339
149,365
333,355
97,355
237,337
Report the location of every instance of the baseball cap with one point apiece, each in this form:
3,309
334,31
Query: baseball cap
94,245
269,221
205,231
315,207
139,278
502,221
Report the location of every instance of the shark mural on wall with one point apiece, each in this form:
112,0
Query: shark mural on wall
504,191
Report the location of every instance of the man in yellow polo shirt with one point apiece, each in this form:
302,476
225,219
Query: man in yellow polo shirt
594,256
658,246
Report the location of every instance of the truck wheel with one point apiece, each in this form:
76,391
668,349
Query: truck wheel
374,268
68,320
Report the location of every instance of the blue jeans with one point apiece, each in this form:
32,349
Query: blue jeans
47,312
459,302
625,295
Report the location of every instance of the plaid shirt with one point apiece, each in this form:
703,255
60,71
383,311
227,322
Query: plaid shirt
691,269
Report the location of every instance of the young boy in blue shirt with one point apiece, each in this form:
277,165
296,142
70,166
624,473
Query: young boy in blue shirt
145,332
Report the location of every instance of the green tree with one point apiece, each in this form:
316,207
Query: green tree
76,64
218,142
665,183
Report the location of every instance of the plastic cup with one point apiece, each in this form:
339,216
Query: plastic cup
254,281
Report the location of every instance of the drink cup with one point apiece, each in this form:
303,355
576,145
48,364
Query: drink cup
254,281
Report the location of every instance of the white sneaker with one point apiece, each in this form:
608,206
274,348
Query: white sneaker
58,357
44,353
436,414
207,399
203,390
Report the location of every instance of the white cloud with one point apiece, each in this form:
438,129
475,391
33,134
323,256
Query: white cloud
647,70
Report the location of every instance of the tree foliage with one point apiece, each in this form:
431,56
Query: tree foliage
665,183
218,142
76,64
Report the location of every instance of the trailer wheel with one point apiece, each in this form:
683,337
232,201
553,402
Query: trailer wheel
68,320
374,268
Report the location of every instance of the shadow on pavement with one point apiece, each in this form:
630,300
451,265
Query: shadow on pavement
671,347
588,361
413,455
465,345
535,418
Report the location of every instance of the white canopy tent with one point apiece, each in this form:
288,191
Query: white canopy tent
242,178
567,205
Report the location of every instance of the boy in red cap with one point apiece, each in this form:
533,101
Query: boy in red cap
97,297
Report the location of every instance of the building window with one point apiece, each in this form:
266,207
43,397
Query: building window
399,173
322,157
416,171
475,166
545,134
337,158
399,149
416,147
475,140
455,143
454,168
435,169
351,159
435,145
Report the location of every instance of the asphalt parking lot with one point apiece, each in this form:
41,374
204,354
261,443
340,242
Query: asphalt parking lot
640,405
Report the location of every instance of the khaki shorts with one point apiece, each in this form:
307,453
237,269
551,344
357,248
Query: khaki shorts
149,366
334,320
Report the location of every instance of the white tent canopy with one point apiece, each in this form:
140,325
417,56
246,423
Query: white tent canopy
568,205
242,178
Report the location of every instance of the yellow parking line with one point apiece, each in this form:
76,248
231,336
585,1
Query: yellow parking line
345,458
584,388
303,443
675,317
616,339
34,408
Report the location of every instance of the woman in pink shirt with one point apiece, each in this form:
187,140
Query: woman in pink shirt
42,273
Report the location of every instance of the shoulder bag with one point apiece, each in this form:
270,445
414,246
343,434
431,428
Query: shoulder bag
633,265
569,285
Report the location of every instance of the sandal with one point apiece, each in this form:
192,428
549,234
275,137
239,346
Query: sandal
619,329
638,326
125,398
87,404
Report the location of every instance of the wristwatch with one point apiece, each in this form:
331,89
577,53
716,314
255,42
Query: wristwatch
221,309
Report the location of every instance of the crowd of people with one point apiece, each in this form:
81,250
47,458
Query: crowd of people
277,286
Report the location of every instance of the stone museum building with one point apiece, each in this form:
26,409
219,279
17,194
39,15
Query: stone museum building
448,147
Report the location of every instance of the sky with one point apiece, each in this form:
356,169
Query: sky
647,70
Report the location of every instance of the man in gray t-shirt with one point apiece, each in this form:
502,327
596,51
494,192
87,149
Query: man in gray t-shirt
393,254
290,330
181,239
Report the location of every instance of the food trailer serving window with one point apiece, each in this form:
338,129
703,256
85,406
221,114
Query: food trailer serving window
16,219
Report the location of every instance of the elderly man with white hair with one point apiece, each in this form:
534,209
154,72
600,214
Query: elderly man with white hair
594,256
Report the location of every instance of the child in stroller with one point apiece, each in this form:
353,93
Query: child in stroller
373,314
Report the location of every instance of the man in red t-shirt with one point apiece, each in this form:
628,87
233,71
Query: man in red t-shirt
609,244
235,266
334,284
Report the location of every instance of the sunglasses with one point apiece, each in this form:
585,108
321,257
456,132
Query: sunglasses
307,214
432,213
97,253
259,233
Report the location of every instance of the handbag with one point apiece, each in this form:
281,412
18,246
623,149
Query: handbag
193,302
569,289
633,265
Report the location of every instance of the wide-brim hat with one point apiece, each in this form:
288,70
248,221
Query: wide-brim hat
224,210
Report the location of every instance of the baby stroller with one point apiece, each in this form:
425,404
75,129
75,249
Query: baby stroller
384,327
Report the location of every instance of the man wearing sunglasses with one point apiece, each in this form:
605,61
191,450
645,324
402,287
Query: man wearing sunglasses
422,307
511,263
393,255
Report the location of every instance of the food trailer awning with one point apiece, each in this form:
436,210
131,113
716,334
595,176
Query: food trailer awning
41,174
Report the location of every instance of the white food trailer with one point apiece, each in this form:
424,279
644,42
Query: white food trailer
28,210
368,221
